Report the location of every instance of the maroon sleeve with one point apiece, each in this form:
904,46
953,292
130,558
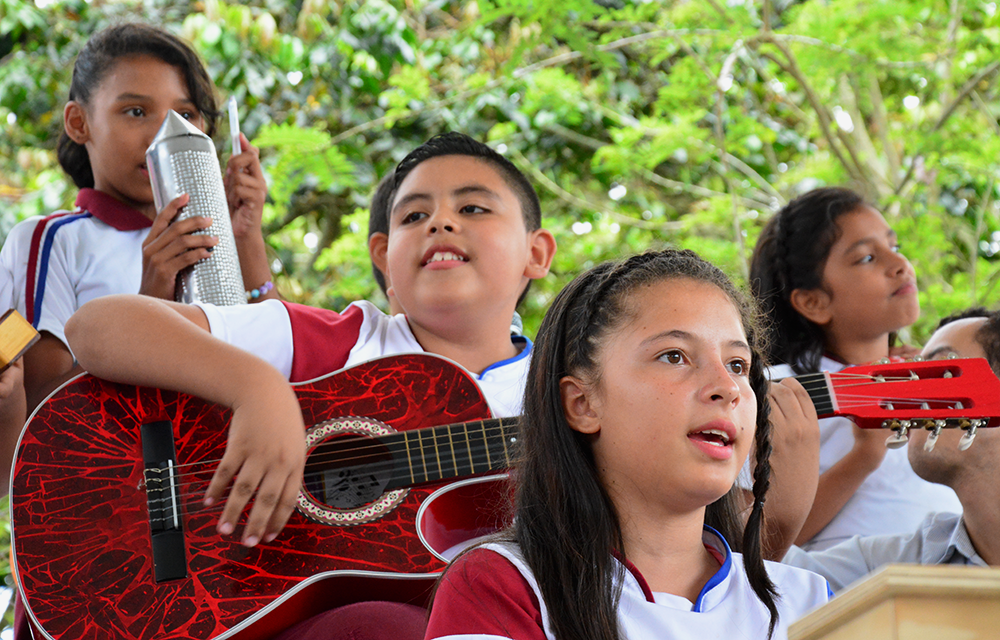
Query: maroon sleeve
482,593
322,339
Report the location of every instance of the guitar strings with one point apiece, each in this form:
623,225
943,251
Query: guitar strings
192,505
431,438
184,480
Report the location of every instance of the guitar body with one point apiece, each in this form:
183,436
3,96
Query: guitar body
81,524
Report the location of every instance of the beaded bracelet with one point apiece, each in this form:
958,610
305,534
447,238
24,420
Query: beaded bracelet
260,291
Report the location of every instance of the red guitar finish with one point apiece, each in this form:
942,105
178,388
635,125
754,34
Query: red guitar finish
81,532
952,392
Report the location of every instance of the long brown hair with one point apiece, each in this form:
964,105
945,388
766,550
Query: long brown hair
566,523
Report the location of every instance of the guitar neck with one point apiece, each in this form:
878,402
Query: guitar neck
451,451
820,391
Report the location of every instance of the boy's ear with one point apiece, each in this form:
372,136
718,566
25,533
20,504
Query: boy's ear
577,405
543,249
75,122
378,251
812,304
378,248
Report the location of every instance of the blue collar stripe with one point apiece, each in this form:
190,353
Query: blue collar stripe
524,354
43,266
720,575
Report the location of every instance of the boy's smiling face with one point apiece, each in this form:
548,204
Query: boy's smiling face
458,241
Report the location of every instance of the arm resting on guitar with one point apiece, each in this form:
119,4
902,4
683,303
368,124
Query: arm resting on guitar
840,481
149,342
47,365
12,416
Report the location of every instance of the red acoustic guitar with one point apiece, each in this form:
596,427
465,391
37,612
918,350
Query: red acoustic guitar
110,539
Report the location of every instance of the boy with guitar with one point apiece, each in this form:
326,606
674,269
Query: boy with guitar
969,538
464,241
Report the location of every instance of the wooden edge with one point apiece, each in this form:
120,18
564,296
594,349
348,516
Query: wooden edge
17,337
893,581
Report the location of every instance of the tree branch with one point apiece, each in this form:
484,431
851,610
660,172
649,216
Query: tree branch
576,201
964,92
791,68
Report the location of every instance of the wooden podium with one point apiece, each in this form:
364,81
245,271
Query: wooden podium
911,602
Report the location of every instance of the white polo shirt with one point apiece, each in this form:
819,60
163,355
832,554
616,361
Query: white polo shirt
891,500
491,594
73,257
305,343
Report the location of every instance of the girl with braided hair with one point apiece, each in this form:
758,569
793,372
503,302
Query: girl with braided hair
830,276
646,393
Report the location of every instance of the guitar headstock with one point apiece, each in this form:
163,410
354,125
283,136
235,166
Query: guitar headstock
932,394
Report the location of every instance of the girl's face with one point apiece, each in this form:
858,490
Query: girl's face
869,287
672,416
119,124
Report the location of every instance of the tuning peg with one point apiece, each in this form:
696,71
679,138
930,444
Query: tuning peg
947,374
970,435
914,376
933,435
899,438
918,358
883,361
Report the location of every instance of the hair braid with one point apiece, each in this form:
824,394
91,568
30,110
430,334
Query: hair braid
752,553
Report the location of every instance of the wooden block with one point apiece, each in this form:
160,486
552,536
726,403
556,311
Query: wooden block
16,336
910,602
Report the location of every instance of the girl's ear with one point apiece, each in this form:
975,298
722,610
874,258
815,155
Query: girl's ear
812,304
75,122
543,248
578,406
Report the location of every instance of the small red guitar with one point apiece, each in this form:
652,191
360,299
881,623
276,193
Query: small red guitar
110,539
931,394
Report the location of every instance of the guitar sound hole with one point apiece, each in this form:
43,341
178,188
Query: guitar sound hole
347,471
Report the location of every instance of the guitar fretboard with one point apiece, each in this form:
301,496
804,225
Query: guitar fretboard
817,385
451,451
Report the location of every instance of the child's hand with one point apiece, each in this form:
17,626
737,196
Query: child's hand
869,447
795,432
265,453
171,247
246,190
794,465
11,379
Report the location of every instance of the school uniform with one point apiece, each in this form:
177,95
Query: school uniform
305,343
891,500
491,594
940,539
61,261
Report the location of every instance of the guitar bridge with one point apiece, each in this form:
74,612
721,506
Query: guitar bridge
163,498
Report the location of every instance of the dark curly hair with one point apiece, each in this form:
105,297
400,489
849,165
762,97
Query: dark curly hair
790,254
